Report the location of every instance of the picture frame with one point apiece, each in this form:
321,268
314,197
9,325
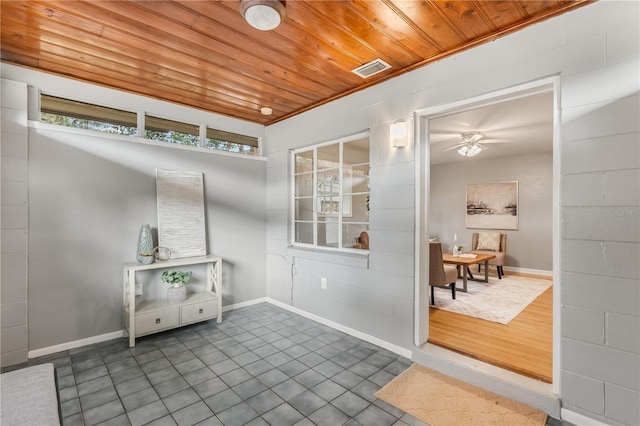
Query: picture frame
492,206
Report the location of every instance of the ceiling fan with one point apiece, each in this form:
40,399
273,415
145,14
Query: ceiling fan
469,144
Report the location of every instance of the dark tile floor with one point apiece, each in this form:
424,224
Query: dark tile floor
262,365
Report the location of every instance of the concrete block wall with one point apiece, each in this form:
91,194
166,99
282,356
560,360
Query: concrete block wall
600,219
13,222
373,295
595,51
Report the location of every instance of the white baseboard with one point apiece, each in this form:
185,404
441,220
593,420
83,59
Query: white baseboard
116,334
579,419
75,344
529,271
350,331
244,304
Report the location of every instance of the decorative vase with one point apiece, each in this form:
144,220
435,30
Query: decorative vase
176,293
144,254
455,251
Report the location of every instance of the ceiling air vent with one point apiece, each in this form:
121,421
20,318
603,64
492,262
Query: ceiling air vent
371,68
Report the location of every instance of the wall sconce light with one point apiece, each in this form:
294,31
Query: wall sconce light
263,15
399,134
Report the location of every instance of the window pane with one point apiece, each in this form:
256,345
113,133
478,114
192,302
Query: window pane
304,209
351,231
161,129
304,185
328,183
81,115
356,179
328,206
328,234
356,152
304,162
304,233
231,142
328,156
356,208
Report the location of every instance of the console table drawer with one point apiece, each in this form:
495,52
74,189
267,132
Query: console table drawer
199,311
160,320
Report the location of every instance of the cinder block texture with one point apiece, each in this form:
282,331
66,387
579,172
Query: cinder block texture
601,363
583,391
622,404
583,324
623,332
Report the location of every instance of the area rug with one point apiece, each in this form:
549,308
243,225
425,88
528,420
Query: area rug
440,400
498,300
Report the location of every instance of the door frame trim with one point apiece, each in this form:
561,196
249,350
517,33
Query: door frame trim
422,192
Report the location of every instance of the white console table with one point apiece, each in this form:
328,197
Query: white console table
152,316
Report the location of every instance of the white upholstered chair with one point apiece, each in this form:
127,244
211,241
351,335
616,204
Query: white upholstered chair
491,243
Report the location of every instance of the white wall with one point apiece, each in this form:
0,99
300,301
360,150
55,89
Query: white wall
88,195
530,246
595,51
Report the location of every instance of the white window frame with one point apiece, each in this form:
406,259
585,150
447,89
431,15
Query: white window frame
315,198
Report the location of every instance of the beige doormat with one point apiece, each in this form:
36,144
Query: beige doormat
440,400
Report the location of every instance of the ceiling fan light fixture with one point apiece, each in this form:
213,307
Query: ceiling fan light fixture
264,15
469,150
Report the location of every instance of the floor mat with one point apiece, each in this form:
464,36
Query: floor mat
440,400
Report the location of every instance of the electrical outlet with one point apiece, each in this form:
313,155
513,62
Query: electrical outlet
323,283
139,289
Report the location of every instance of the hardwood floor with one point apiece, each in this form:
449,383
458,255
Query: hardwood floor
523,346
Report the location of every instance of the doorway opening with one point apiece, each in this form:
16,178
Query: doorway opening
515,131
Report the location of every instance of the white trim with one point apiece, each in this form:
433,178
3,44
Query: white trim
244,304
422,117
118,334
529,271
74,344
579,419
555,239
407,353
115,334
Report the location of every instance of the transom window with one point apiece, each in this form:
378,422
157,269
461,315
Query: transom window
82,115
330,194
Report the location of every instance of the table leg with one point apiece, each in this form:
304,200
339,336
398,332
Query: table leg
486,271
465,272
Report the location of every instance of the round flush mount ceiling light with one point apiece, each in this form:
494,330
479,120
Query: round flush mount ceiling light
263,15
266,111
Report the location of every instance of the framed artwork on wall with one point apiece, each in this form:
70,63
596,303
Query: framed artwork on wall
181,219
492,205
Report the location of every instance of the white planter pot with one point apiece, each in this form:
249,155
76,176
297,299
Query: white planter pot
176,294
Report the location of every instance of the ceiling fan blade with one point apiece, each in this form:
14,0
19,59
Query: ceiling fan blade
454,139
491,140
456,146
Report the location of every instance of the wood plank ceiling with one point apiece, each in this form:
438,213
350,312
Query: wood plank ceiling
204,55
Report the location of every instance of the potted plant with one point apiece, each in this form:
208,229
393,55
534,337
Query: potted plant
177,292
